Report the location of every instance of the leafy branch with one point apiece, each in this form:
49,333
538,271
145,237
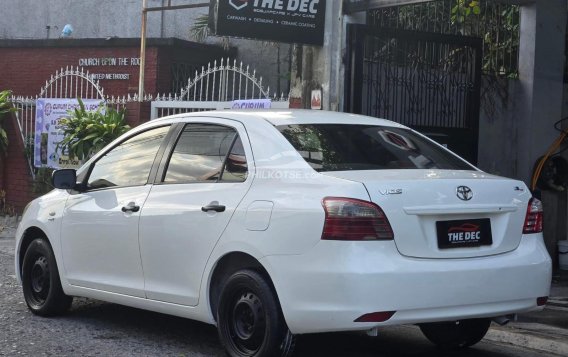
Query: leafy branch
87,132
199,31
5,108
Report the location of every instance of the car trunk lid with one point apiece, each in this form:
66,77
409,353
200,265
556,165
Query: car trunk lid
446,213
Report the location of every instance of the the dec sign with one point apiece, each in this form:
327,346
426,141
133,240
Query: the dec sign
292,21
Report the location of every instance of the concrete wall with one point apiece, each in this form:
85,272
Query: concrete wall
322,67
540,100
541,74
499,148
518,128
28,19
497,152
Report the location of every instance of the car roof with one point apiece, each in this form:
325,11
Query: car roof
287,117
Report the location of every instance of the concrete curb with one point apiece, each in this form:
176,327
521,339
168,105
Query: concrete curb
539,337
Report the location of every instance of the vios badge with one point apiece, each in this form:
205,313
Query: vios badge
238,4
464,193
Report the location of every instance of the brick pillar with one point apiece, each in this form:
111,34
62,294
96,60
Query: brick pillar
16,178
137,113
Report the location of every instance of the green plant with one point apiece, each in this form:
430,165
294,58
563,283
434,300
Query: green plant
5,209
29,147
462,9
42,181
199,31
500,38
5,107
493,21
86,132
200,28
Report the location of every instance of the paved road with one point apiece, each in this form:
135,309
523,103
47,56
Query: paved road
94,328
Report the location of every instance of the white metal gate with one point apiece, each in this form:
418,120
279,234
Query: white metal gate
66,83
216,88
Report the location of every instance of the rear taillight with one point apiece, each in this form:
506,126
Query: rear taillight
533,219
352,219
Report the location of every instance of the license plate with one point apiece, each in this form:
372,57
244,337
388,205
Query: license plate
464,233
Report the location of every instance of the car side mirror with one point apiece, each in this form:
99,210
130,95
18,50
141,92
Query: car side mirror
65,179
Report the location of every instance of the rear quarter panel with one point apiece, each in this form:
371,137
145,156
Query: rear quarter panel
284,178
284,181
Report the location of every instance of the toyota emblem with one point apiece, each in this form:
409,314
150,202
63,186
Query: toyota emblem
464,193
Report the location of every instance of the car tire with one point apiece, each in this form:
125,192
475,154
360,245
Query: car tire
249,318
40,281
456,334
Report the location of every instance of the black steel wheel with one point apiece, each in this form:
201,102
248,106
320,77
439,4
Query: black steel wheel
249,319
40,281
456,334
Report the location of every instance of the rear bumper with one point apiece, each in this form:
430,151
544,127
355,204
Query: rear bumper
333,284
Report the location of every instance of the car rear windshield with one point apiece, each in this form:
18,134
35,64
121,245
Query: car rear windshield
340,147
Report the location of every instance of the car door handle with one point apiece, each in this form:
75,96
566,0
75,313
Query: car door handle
131,207
216,208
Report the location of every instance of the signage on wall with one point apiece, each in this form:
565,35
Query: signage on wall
291,21
49,111
109,62
114,76
252,104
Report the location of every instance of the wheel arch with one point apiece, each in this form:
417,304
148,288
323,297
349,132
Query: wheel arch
28,236
227,265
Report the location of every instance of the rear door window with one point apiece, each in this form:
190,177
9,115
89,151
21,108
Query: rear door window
207,153
340,147
236,167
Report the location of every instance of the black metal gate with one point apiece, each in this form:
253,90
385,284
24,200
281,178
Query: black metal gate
427,81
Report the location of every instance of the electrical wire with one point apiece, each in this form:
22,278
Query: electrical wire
550,152
559,128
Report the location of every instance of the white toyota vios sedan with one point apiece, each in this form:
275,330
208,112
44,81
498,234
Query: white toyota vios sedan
270,224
